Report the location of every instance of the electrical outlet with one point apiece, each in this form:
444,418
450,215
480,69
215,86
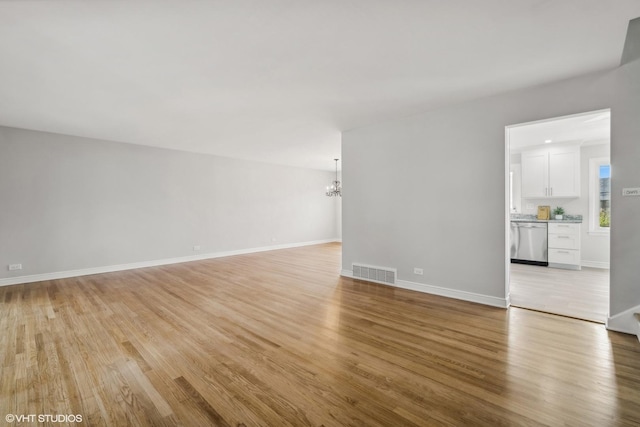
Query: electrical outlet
15,267
273,239
197,248
418,271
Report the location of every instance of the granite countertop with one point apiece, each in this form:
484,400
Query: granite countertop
568,219
565,221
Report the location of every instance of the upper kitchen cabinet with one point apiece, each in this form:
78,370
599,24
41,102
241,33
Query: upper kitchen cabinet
551,172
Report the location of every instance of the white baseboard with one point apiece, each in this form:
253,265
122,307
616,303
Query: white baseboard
348,273
445,292
595,264
625,322
153,263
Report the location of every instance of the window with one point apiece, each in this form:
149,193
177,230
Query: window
604,179
599,195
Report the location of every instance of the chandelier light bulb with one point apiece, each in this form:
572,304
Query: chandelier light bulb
335,189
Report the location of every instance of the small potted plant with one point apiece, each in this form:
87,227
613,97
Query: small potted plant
558,212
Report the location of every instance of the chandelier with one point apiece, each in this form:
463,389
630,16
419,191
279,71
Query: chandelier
335,189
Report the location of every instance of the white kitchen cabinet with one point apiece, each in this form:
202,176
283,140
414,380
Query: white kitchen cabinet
535,174
552,172
564,245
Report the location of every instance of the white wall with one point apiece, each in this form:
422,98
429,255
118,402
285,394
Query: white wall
428,190
70,203
594,248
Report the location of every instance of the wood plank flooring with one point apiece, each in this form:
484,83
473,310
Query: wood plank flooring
583,294
279,339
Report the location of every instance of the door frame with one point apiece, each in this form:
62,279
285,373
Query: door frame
507,190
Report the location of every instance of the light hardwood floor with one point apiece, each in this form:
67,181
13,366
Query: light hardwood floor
279,339
583,294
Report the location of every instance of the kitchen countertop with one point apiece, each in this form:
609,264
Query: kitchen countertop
564,221
568,219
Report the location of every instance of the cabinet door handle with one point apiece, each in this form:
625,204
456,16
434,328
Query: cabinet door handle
563,237
563,252
552,191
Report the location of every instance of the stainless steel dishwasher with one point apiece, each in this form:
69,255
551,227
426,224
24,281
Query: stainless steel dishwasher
529,243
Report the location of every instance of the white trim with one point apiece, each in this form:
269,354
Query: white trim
130,266
515,187
507,214
594,195
444,292
595,264
553,119
625,322
454,293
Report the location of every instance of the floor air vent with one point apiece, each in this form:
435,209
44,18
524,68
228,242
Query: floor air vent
374,274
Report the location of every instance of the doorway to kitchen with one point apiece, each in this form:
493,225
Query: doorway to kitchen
558,183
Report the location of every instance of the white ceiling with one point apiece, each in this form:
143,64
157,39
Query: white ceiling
582,129
278,80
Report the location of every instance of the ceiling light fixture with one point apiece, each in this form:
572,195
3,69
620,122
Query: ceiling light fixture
335,189
546,141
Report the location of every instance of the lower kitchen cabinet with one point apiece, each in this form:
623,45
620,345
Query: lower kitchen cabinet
564,246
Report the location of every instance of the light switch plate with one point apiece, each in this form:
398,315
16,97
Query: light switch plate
628,192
